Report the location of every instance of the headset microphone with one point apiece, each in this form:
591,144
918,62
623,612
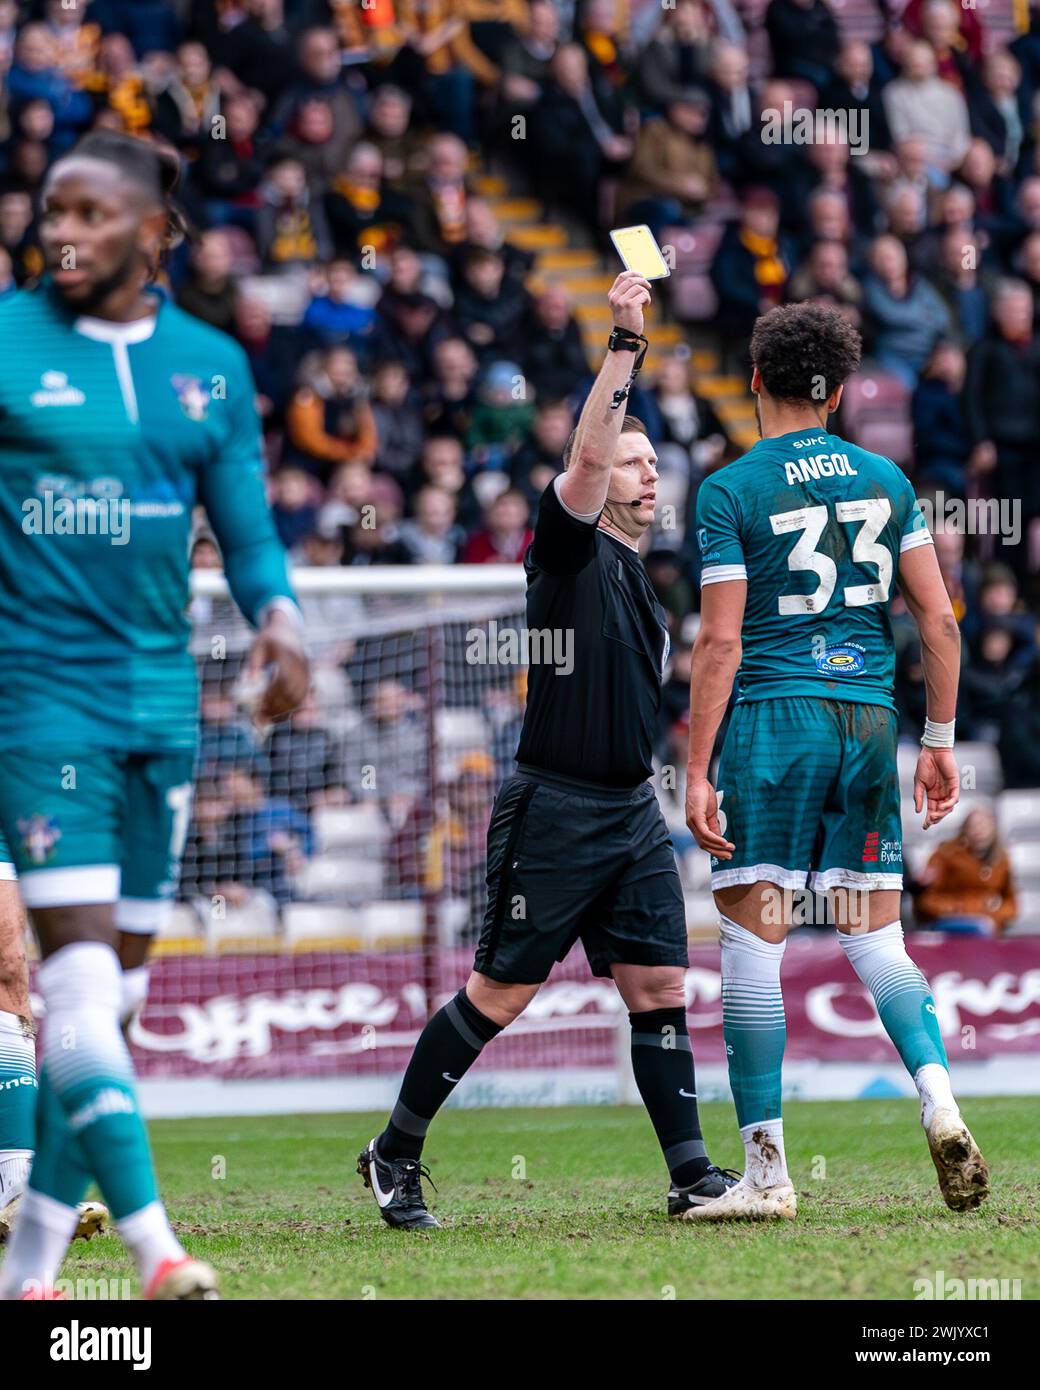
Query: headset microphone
618,502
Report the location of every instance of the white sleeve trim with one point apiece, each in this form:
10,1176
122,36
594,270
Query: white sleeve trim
911,539
587,517
718,574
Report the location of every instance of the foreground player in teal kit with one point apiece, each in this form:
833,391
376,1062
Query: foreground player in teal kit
803,541
118,413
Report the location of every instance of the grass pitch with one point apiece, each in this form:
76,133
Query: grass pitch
550,1204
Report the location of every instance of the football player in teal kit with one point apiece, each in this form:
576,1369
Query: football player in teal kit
118,414
803,542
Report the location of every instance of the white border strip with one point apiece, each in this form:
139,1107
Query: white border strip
204,1097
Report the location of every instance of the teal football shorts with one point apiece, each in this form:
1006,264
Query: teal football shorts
808,793
97,826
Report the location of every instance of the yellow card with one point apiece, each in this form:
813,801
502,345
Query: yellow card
640,252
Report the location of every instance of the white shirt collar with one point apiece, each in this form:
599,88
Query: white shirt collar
107,331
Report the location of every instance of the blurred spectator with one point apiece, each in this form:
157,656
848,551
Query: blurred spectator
294,505
390,132
274,352
804,37
540,456
689,428
751,266
580,136
318,97
451,394
506,534
328,419
489,307
825,276
854,86
440,195
229,171
271,837
340,314
553,351
398,419
941,445
362,211
34,76
501,416
998,109
967,883
672,173
290,222
1002,397
904,314
210,290
677,56
432,536
919,102
305,763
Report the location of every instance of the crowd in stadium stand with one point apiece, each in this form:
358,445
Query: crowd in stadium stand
417,383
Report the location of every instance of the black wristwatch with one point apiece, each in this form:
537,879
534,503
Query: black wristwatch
624,340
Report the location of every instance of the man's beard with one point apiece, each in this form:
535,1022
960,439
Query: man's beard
119,277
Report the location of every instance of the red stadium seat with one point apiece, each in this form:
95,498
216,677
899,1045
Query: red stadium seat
875,412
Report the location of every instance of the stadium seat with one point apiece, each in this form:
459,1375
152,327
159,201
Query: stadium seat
696,870
242,926
984,763
349,827
1018,815
392,923
303,923
1025,863
462,730
183,923
702,916
1027,923
349,877
875,411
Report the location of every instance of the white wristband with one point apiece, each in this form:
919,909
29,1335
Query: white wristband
937,735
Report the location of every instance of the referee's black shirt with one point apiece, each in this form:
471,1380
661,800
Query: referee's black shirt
597,723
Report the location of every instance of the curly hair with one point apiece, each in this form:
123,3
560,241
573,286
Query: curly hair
803,351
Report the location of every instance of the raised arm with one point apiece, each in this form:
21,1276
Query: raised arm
584,486
936,781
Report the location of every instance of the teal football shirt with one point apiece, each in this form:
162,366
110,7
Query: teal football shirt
110,434
816,526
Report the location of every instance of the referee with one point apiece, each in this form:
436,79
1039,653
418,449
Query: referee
577,845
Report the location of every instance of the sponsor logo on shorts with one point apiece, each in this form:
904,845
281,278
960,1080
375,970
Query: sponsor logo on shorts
847,660
39,834
878,851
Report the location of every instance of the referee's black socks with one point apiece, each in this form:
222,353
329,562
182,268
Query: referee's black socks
662,1060
448,1046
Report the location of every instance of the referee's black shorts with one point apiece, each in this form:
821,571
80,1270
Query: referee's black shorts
569,860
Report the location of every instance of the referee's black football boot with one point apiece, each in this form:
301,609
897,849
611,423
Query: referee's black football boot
396,1186
715,1183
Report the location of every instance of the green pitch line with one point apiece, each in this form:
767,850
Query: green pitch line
569,1204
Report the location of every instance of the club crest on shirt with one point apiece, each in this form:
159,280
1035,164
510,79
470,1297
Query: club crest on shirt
39,834
193,396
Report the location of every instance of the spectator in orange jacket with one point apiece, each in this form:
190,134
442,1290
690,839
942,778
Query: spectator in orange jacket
967,882
328,421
